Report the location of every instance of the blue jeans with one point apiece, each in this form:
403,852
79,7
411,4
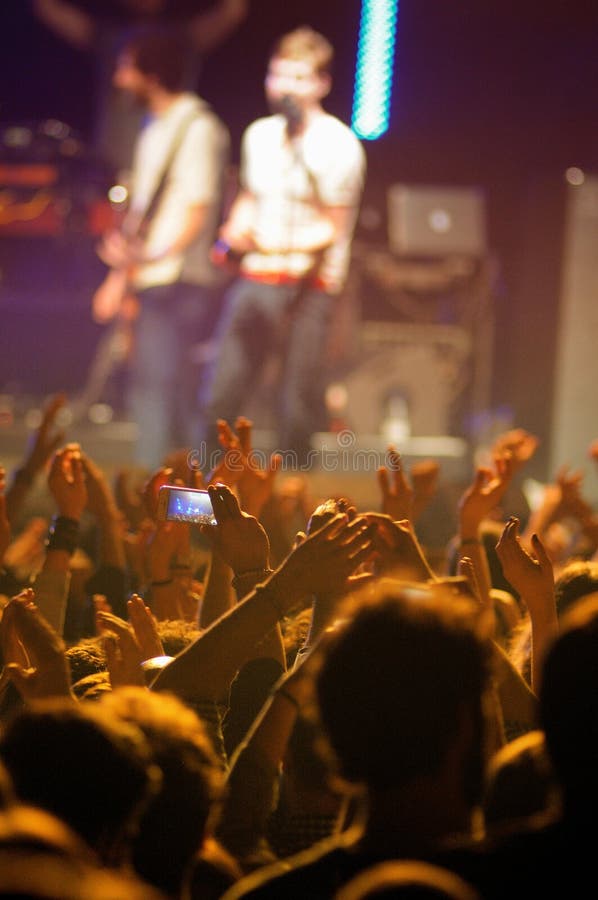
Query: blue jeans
172,319
258,319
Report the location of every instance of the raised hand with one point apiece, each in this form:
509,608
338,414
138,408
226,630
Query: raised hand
323,563
157,479
238,538
396,548
66,482
256,483
533,578
128,499
45,439
531,575
483,495
145,627
397,493
521,444
100,499
424,480
123,653
35,657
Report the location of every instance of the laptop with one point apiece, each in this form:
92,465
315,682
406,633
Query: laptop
431,221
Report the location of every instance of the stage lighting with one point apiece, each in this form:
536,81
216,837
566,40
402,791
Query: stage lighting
374,70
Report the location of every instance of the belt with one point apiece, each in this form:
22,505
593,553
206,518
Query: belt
284,278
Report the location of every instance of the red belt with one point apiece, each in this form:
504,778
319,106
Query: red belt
283,278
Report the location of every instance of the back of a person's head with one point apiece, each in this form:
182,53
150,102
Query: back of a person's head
576,580
569,702
520,782
178,817
395,681
406,879
176,634
82,765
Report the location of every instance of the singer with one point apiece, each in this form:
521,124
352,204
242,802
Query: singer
290,227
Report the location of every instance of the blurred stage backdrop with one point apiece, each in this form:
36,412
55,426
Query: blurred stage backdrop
472,294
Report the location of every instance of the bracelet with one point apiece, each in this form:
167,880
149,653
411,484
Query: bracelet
161,583
63,534
467,541
281,692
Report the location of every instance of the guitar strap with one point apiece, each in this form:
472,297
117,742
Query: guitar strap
114,347
154,201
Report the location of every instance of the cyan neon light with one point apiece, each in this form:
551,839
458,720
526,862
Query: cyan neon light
374,68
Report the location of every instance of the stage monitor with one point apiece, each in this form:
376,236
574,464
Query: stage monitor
431,221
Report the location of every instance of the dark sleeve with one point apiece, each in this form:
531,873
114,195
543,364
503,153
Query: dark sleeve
248,693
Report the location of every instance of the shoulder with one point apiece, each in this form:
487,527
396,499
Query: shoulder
313,873
263,129
334,139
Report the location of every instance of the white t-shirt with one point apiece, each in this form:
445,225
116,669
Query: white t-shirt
195,178
290,180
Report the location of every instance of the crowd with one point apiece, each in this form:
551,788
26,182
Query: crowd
251,709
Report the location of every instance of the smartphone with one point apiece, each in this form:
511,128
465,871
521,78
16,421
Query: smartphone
181,504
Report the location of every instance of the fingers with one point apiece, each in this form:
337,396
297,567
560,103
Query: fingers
109,622
383,481
243,427
540,553
227,439
224,503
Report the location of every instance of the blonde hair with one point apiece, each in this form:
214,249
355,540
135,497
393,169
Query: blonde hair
306,44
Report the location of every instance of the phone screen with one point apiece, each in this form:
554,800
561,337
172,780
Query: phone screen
189,505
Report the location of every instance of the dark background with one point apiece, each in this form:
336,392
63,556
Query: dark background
497,94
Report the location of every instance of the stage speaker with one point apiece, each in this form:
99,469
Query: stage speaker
574,420
410,376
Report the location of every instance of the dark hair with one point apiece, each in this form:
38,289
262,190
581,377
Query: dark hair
394,681
192,784
162,53
86,767
569,700
577,579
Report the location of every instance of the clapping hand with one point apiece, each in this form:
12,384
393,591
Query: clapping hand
34,653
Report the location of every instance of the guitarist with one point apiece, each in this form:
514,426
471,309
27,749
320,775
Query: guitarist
161,252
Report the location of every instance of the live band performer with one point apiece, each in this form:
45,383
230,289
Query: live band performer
302,173
290,228
162,250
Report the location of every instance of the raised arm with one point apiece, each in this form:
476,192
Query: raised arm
532,577
69,22
210,28
42,444
475,505
66,482
322,563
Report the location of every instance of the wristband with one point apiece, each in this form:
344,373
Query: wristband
161,583
467,541
63,534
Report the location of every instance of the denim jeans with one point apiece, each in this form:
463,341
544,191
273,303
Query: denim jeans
172,319
258,319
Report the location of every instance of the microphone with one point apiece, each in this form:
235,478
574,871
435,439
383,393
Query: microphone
292,112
